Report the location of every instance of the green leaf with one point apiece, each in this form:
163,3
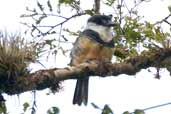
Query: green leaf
49,5
89,12
49,42
25,105
138,111
159,36
169,8
40,6
126,112
66,1
110,2
53,110
133,52
3,109
107,110
148,30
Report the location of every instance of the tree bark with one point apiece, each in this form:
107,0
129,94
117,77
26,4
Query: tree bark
43,79
97,6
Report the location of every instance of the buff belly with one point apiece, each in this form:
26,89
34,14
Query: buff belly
91,50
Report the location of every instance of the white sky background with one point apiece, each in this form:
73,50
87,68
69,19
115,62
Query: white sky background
121,93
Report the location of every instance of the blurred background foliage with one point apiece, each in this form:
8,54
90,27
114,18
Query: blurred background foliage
133,34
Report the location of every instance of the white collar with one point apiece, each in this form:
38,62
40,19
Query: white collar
104,32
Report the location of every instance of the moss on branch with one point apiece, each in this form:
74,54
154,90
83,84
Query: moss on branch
43,79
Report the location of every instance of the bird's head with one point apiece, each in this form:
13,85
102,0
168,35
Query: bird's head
102,24
102,20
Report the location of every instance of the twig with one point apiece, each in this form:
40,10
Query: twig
167,22
60,32
54,15
153,107
157,106
34,103
167,17
136,5
67,19
120,12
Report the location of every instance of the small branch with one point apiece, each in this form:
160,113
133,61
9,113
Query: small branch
67,19
35,27
97,6
120,12
52,15
33,108
167,17
157,106
167,22
60,24
135,6
59,38
153,107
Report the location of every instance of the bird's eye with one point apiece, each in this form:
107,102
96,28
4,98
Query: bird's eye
110,16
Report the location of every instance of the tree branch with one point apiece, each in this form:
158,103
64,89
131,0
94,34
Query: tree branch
97,6
43,79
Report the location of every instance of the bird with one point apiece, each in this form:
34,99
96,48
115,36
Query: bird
94,43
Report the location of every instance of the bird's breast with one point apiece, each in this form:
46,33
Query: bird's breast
92,50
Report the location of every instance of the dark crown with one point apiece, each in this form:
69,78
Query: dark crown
103,20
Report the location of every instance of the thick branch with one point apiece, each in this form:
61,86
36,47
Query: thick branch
46,78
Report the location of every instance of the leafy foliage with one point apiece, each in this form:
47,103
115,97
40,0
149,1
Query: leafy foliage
15,56
134,35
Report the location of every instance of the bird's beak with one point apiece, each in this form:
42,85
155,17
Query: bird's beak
111,24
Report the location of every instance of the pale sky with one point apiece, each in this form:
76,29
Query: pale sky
123,93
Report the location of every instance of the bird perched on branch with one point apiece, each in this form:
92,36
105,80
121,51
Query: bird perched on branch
95,43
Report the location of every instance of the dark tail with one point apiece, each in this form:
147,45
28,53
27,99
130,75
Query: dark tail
81,92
